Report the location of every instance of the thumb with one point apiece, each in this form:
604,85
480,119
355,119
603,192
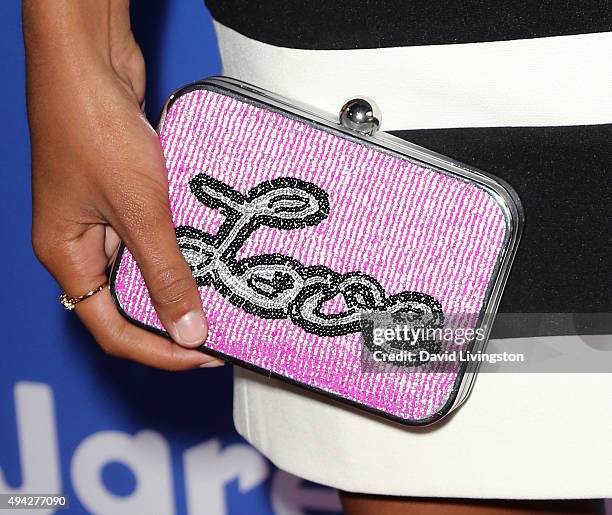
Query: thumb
146,228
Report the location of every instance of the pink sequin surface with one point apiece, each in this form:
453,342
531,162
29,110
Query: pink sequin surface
410,228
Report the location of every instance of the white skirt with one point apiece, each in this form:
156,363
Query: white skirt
519,436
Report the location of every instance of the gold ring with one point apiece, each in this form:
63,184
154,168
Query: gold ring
70,303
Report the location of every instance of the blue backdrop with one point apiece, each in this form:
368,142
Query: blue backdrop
115,436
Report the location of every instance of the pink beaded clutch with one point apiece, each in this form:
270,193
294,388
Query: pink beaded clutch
330,255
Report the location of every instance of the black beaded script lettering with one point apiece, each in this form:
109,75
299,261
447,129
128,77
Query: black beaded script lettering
275,286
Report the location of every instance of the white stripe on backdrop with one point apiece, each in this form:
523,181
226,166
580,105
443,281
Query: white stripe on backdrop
561,80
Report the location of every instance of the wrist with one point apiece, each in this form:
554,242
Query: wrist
75,43
75,34
66,30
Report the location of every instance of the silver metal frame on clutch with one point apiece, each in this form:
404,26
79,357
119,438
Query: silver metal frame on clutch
503,193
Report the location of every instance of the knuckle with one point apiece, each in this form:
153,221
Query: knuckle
110,343
110,348
44,249
174,363
171,286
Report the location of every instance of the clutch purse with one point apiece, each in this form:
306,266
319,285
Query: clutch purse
324,249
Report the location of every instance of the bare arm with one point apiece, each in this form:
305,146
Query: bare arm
98,174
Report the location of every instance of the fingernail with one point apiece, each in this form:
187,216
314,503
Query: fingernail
213,363
190,330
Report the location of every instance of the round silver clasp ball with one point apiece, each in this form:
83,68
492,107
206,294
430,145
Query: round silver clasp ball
359,115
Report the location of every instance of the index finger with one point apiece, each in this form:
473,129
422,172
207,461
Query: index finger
122,339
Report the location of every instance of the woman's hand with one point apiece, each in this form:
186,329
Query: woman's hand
98,175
